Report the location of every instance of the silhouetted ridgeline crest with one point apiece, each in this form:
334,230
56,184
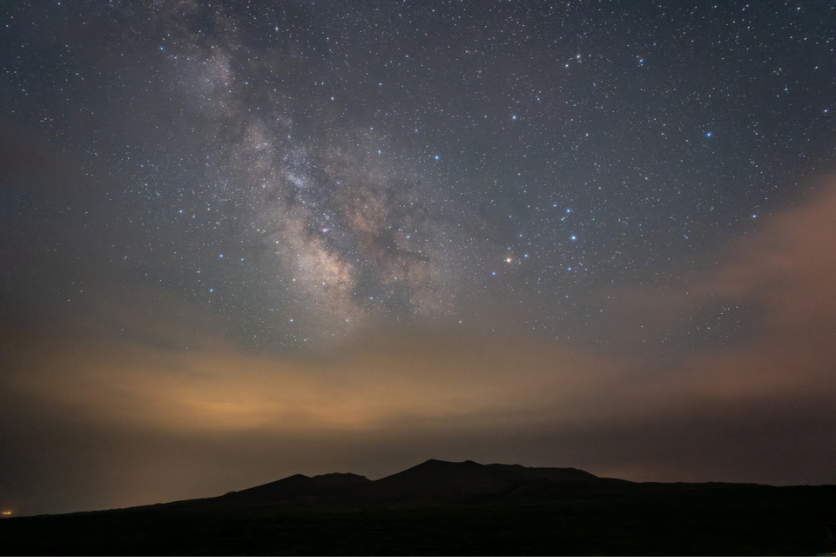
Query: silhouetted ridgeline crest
297,484
434,482
453,508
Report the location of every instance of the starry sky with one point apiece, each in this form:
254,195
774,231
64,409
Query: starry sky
241,240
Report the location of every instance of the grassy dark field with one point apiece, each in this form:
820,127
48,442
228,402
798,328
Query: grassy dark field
579,515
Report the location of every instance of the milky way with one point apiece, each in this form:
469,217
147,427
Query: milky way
312,166
342,224
609,195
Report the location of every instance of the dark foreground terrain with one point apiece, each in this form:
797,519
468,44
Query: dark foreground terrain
453,508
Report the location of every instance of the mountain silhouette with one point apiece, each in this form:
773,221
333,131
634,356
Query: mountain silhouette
469,481
440,507
434,482
293,486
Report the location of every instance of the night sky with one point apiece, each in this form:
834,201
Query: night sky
241,240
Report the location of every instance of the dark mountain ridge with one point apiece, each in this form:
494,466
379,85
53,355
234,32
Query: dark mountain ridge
434,482
297,484
440,507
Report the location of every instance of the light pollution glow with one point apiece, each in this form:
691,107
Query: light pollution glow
413,383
